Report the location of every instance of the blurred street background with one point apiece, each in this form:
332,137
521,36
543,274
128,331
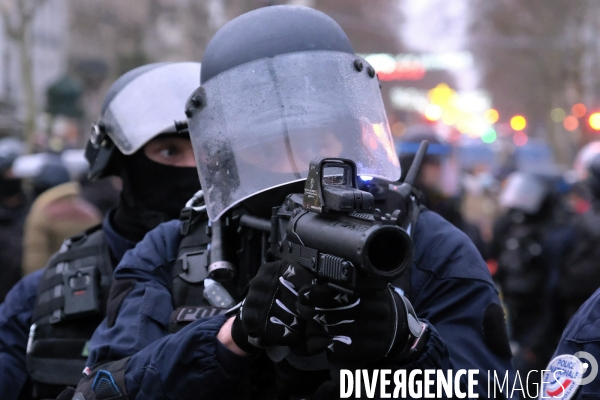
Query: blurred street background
469,67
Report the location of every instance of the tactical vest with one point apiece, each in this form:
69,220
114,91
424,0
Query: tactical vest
70,304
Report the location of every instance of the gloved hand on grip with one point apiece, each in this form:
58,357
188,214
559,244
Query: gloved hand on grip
359,327
268,316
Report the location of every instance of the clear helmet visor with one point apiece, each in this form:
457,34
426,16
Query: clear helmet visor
150,105
259,125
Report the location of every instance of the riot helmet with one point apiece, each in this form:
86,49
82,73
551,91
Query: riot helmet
140,105
52,173
142,108
437,152
281,86
594,176
523,192
534,191
10,149
583,184
583,160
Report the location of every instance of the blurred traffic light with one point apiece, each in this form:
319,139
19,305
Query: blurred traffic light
518,122
520,138
489,136
558,115
579,110
594,121
571,123
433,112
441,95
491,116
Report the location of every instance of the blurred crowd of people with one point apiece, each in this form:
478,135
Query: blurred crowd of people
537,229
44,199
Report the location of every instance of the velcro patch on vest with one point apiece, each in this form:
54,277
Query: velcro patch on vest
189,313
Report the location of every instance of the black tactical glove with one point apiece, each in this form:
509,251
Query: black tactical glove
268,315
359,327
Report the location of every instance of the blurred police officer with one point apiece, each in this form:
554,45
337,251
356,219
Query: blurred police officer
575,360
14,205
531,241
437,169
138,139
281,86
580,276
574,365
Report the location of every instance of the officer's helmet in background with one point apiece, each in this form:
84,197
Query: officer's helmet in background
593,178
140,105
533,192
583,160
281,85
439,171
10,149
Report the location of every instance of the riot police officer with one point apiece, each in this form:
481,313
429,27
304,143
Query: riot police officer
14,205
282,85
579,297
531,242
574,364
436,169
138,139
580,275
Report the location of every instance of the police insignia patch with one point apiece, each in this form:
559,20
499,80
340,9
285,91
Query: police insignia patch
562,377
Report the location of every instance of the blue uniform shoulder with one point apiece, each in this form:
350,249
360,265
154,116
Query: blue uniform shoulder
442,249
24,293
152,257
19,304
584,327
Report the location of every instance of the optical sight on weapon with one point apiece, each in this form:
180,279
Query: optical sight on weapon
335,231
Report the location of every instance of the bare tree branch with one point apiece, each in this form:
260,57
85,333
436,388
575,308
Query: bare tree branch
6,11
531,57
19,32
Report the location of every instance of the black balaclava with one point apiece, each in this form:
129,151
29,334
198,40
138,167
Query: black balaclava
9,187
152,193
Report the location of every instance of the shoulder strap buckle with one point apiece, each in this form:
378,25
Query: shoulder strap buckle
186,216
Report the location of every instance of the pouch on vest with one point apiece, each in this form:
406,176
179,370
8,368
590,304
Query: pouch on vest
71,303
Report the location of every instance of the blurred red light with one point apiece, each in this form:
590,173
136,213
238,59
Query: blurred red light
520,138
570,123
579,110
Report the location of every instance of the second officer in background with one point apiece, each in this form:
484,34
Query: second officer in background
137,139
